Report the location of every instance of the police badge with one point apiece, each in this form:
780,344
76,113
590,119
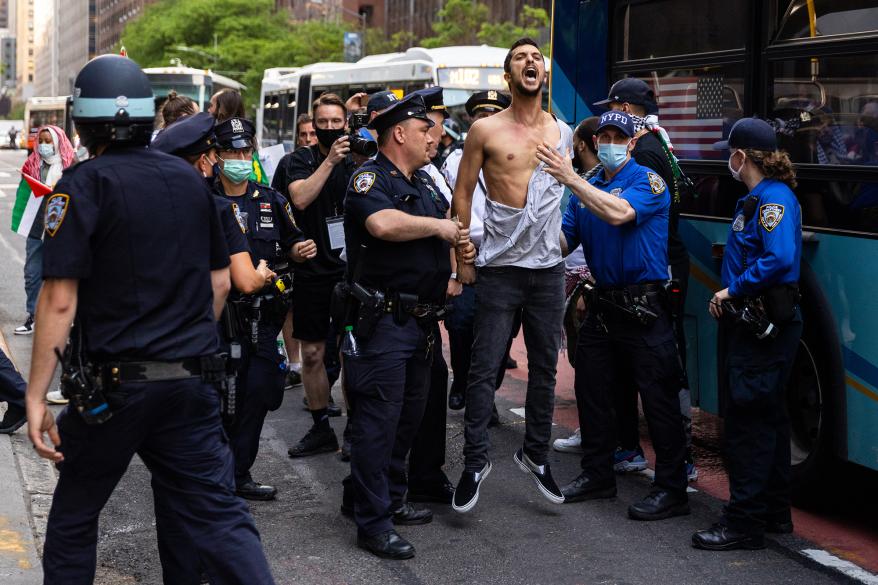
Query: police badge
237,126
363,182
738,226
656,183
770,215
56,209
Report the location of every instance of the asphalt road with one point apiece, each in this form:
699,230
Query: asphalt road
513,535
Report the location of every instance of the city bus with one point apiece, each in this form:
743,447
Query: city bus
808,67
196,84
461,71
40,111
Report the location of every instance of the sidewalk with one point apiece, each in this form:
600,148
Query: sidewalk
19,562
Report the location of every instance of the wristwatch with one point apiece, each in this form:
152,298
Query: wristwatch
453,276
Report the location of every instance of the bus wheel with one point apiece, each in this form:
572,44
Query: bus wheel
814,395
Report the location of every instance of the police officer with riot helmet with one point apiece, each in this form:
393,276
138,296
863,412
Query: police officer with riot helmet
397,238
621,219
272,234
139,372
761,323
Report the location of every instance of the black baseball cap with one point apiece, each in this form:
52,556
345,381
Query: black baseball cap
187,136
235,134
380,100
634,91
749,133
411,106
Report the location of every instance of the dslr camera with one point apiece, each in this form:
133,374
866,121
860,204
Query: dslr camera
358,144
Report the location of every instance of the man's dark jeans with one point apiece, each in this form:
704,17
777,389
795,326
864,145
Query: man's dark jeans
500,292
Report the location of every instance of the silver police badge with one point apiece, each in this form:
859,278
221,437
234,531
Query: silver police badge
363,182
738,226
56,209
770,215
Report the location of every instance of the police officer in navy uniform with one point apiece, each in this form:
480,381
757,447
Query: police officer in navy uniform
761,323
272,235
621,220
134,250
397,239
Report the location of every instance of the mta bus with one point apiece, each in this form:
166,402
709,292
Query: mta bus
196,84
461,71
42,111
809,67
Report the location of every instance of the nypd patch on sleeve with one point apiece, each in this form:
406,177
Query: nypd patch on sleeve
56,209
289,211
656,183
770,215
364,181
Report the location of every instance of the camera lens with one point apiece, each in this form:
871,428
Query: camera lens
361,146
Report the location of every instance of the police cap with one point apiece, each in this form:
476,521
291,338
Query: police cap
189,135
411,106
491,100
619,120
633,91
235,134
750,133
433,100
380,100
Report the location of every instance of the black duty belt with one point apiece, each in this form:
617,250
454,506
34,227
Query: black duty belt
631,290
121,372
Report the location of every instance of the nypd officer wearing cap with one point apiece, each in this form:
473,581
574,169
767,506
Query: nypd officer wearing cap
272,235
398,237
761,325
145,344
621,220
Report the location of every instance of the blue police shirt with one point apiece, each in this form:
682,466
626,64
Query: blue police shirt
764,250
631,253
139,229
421,266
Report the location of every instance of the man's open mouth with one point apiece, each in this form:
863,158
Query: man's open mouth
530,73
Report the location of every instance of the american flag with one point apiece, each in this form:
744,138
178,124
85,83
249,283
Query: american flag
691,110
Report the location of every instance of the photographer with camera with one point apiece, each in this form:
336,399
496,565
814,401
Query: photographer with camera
315,179
761,325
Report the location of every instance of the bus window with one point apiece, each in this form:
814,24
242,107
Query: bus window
698,106
826,109
716,25
804,19
288,134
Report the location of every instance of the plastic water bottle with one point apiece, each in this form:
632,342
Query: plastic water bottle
282,352
349,346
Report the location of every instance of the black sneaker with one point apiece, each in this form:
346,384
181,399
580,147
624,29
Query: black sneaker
316,441
14,418
27,328
466,494
542,475
294,378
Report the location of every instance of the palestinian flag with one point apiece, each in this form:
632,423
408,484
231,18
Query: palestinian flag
27,203
257,175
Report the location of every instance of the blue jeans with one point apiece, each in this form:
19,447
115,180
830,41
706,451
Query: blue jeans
500,293
33,272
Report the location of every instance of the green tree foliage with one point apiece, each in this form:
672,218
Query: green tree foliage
459,22
531,22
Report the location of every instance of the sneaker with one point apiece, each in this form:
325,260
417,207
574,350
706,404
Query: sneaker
691,471
294,378
466,494
628,460
572,444
14,418
315,441
27,328
542,476
55,397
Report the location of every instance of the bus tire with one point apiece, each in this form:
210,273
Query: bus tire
815,395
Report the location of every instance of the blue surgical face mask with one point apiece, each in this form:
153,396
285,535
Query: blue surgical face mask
46,150
613,155
237,171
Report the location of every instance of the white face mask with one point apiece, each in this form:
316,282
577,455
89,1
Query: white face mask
736,174
46,150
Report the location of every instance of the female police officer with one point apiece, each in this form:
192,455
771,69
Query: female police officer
761,325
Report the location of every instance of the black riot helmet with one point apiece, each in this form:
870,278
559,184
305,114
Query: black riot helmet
113,103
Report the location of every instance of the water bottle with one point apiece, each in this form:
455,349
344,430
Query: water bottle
349,346
283,353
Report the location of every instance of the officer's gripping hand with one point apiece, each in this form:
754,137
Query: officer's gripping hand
340,149
556,164
39,421
449,231
304,250
265,272
466,273
715,305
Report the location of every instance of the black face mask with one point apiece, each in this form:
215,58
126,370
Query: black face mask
327,137
577,163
